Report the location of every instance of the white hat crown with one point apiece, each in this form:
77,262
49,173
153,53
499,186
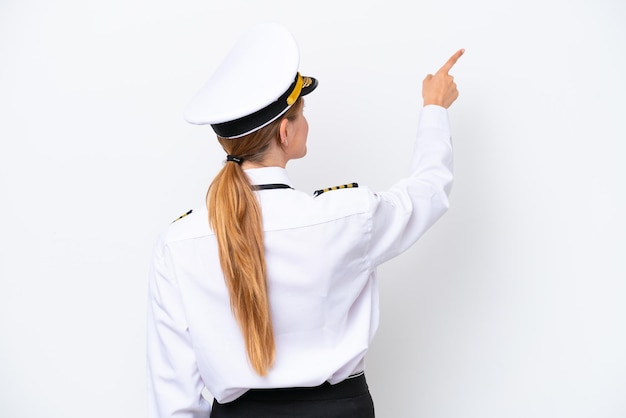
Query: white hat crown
261,68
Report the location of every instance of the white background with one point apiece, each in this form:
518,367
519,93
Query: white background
513,305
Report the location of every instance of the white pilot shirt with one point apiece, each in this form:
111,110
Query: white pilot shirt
321,256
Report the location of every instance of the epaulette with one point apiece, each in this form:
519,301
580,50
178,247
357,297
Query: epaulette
182,216
343,186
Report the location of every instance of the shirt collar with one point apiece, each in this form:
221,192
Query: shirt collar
268,175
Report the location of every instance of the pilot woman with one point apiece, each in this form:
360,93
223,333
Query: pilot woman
265,300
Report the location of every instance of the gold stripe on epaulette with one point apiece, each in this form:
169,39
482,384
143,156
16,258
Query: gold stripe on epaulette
343,186
182,216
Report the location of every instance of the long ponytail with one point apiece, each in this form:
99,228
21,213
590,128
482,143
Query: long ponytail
235,217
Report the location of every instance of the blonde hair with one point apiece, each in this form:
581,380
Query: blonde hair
236,219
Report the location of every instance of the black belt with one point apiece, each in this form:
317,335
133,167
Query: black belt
351,387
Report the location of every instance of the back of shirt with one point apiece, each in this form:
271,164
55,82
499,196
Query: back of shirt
321,256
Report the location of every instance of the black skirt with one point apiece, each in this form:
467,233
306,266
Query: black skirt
348,399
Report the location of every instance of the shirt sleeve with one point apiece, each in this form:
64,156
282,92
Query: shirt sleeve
410,207
174,382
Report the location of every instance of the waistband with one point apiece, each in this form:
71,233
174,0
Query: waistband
351,387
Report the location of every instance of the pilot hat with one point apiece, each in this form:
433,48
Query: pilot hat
254,85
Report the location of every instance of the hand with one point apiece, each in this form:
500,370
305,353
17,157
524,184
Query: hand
440,89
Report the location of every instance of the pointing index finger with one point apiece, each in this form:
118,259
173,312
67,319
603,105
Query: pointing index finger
451,61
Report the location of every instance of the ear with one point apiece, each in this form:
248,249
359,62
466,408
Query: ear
284,131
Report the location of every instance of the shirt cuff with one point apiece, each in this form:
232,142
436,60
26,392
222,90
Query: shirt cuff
434,116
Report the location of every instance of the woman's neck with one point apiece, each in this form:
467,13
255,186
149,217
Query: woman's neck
273,157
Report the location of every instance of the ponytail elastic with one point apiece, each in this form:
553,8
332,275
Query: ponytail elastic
234,159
